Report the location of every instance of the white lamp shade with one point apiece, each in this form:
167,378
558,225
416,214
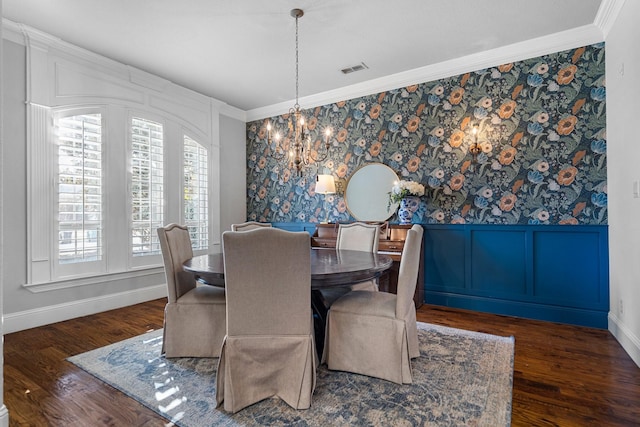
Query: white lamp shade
325,184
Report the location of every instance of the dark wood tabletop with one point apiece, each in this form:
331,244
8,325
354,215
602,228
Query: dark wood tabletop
328,267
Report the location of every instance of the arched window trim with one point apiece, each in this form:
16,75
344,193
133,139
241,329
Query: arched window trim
63,77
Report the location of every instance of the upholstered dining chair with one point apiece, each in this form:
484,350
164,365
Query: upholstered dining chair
355,236
195,316
269,348
249,225
359,236
375,333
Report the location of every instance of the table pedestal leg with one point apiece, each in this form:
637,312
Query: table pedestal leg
319,319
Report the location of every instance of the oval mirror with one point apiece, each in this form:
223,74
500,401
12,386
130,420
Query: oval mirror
367,193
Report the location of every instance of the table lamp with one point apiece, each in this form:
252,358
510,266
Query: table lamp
325,184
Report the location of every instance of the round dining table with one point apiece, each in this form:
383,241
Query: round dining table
330,268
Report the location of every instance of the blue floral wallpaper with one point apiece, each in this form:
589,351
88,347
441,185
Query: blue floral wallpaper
541,130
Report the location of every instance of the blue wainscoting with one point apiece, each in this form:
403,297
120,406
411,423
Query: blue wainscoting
309,227
554,273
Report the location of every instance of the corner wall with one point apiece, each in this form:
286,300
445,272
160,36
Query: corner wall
623,103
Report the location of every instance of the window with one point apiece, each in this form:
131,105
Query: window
107,164
147,186
79,188
196,193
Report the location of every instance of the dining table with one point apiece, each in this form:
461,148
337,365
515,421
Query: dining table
330,268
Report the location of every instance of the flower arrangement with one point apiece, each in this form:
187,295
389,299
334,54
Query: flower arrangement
402,189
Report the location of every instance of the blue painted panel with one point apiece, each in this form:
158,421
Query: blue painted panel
444,258
554,273
296,226
566,271
498,262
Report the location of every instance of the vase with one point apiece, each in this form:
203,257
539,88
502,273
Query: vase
408,206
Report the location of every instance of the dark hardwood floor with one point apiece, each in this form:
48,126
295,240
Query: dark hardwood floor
563,375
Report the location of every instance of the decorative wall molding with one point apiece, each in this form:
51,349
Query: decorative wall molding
516,270
62,76
40,195
78,83
607,15
27,319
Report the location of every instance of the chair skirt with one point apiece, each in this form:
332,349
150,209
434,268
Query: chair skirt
254,368
363,336
195,330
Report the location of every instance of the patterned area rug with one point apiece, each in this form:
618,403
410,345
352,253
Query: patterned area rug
462,378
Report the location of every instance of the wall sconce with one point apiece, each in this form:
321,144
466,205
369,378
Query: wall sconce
341,185
474,147
325,184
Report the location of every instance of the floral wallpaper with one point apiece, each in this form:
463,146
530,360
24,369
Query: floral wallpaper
540,129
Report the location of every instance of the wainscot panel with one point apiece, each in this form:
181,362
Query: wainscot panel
296,226
553,273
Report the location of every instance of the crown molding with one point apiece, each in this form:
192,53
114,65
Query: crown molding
607,15
230,111
12,32
581,36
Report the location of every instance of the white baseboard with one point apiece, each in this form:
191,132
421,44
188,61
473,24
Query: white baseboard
15,322
4,416
625,337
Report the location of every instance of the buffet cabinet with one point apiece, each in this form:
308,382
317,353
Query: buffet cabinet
391,242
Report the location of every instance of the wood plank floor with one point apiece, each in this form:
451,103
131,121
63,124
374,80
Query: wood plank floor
563,375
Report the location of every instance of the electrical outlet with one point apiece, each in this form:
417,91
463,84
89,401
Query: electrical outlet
620,308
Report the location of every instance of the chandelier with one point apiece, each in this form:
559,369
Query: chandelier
295,145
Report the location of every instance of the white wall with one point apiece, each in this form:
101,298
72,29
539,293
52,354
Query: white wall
4,414
623,153
233,194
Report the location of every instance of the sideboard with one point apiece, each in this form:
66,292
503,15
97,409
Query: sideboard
392,238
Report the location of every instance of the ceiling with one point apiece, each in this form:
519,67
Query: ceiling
243,52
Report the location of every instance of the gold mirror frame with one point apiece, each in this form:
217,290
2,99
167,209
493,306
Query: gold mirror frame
367,192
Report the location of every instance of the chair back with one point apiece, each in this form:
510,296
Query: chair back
249,225
408,272
175,244
358,236
268,282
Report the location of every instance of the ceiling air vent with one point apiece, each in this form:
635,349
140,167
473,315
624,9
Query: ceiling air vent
359,67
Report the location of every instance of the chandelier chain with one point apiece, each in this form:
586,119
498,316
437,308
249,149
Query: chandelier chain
297,104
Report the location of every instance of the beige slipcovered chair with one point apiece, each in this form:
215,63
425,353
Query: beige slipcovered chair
375,333
356,236
249,225
269,348
195,316
359,236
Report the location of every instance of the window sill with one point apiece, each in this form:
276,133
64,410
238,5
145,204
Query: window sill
92,280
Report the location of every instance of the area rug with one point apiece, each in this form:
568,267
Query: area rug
461,378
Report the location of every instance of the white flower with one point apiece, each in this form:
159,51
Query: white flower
403,188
